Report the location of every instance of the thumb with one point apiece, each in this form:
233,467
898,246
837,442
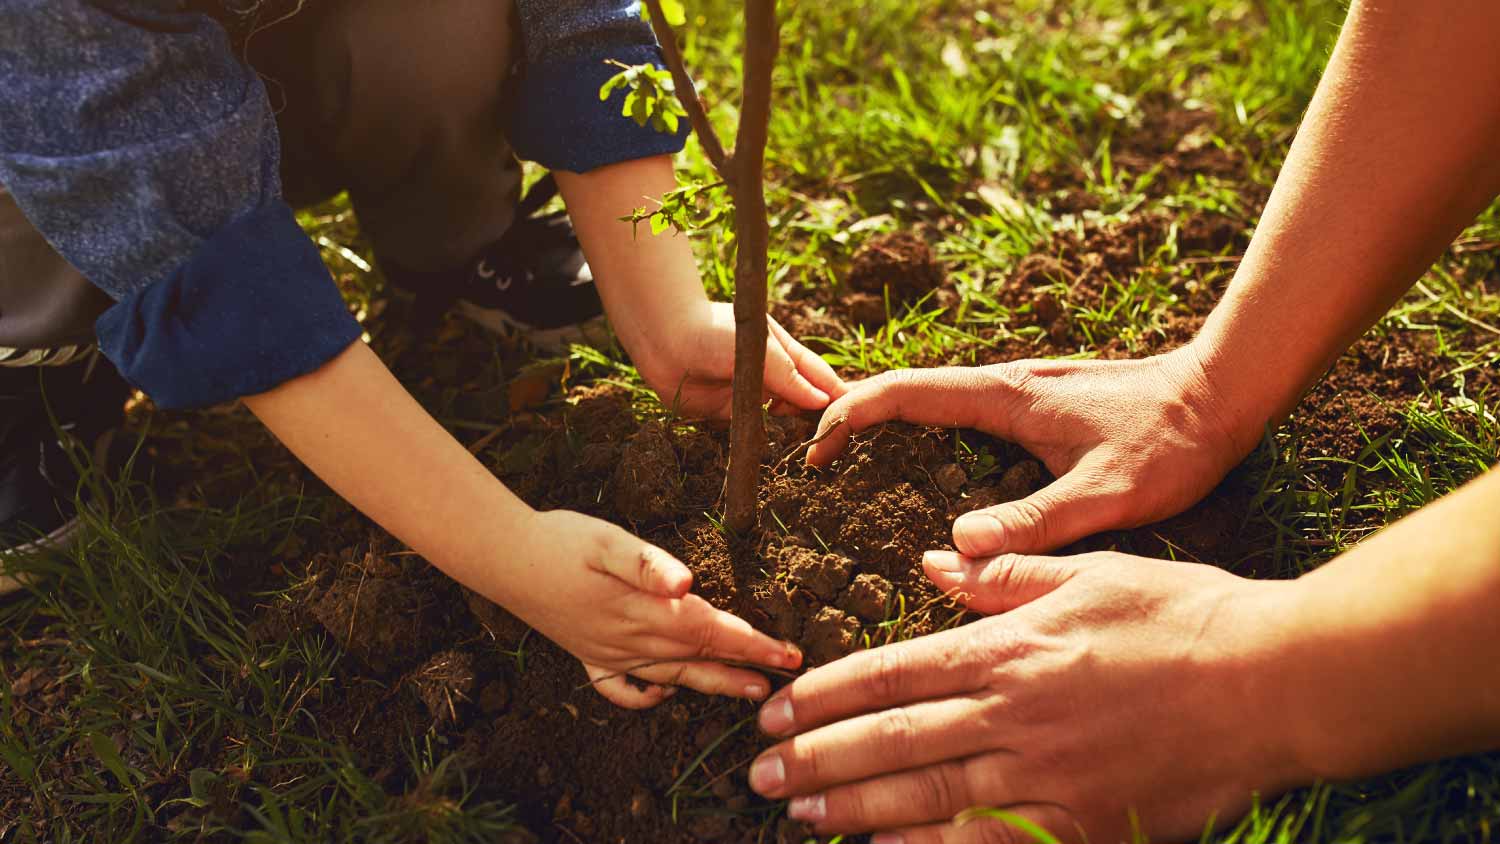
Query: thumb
651,570
948,397
1068,509
996,584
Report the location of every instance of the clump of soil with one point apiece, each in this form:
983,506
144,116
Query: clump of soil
648,482
444,684
868,598
900,262
829,635
383,620
824,575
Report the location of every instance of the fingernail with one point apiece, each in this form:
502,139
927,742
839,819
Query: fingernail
979,533
810,809
793,656
776,716
888,838
767,774
755,691
943,561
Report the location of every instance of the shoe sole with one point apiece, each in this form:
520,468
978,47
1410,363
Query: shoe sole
554,341
59,539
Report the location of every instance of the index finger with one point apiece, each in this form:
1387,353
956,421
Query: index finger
938,665
949,397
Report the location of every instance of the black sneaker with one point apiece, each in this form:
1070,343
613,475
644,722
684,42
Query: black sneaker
39,482
533,281
37,510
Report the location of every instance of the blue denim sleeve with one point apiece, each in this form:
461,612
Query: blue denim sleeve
146,153
557,118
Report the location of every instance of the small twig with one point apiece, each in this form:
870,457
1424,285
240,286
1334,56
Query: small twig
837,423
687,94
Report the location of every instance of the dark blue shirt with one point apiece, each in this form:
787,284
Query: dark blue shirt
145,151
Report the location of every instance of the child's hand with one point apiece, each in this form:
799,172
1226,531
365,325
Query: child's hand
691,367
621,605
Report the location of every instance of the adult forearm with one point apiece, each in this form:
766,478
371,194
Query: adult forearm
1396,154
359,430
1391,647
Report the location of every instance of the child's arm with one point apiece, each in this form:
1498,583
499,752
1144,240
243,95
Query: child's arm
609,598
682,343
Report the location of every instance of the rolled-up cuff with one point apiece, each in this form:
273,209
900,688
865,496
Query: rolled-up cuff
253,308
558,120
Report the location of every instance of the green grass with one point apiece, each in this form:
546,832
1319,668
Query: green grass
166,719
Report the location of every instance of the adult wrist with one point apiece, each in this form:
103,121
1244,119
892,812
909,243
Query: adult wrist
1267,676
1243,398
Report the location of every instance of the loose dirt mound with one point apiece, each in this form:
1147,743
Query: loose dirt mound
900,262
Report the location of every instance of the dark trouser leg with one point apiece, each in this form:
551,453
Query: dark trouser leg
401,105
49,371
47,313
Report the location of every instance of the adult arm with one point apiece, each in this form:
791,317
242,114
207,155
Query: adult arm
1396,154
1113,685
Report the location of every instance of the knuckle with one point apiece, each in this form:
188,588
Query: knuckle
883,677
1001,571
707,638
1031,519
936,792
894,733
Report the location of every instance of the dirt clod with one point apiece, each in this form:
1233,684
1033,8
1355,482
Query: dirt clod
829,635
900,261
950,478
648,483
821,574
866,309
496,620
444,684
384,623
710,827
494,698
1020,480
868,597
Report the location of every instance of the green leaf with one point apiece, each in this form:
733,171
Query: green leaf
104,748
674,12
1031,828
21,763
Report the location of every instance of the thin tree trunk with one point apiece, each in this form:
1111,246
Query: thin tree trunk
743,170
747,428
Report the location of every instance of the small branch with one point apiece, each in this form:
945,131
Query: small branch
837,424
687,94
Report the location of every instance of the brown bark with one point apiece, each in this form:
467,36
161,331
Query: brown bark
747,427
743,170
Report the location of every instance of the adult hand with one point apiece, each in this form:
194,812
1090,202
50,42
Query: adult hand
1110,686
1131,442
